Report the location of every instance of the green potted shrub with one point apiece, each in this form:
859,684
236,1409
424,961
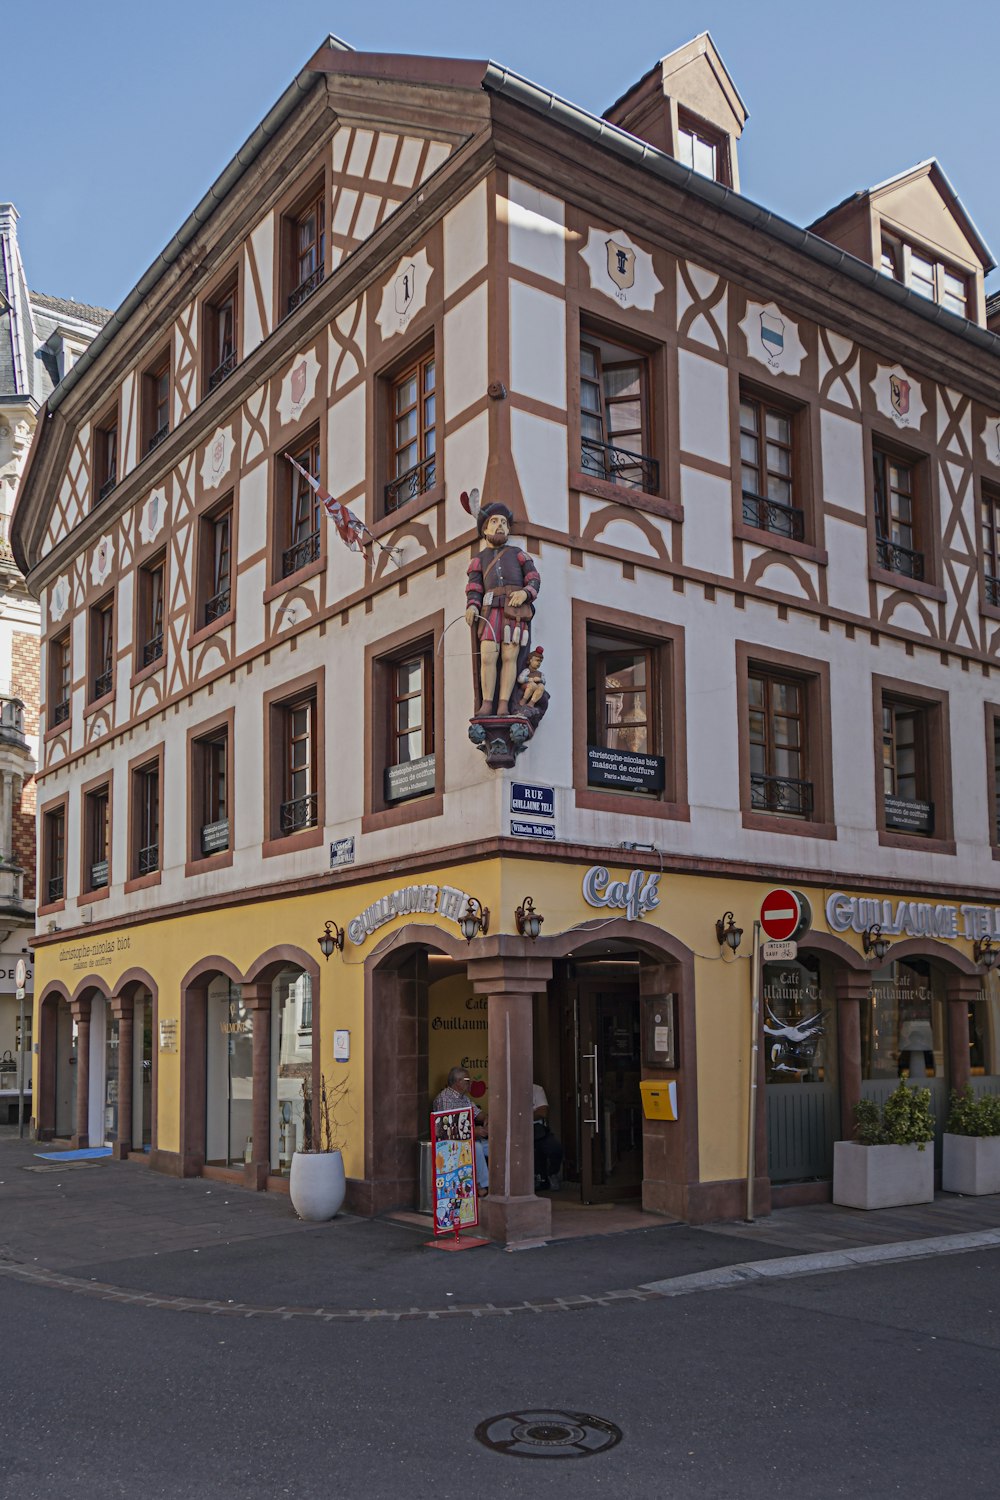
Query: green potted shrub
887,1165
970,1162
317,1183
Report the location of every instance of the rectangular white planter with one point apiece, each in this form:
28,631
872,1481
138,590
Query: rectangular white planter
882,1176
971,1164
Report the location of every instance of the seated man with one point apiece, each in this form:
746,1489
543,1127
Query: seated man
548,1150
456,1096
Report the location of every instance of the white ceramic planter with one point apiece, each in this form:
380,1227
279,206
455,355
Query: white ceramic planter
317,1184
970,1164
882,1176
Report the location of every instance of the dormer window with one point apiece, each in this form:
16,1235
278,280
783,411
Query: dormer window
702,149
929,278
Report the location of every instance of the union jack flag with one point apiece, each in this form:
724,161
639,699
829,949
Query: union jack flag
352,530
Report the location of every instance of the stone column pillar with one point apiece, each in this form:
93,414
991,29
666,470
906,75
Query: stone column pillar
122,1011
510,978
961,990
80,1011
852,988
257,999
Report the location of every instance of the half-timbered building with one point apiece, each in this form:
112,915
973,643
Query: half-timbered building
756,469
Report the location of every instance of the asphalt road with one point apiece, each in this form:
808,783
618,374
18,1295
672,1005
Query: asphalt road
877,1381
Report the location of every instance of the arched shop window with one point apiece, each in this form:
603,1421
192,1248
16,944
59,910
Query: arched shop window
291,1065
229,1113
799,1024
984,1036
903,1025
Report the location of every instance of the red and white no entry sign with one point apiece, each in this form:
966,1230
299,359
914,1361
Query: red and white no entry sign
781,914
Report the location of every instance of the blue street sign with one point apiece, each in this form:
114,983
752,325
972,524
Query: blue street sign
525,828
341,853
532,800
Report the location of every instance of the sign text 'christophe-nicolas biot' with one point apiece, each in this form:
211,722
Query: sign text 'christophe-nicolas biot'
431,900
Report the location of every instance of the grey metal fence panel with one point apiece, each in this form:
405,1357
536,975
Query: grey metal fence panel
802,1125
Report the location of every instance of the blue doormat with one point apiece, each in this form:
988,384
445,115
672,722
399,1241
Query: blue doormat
90,1153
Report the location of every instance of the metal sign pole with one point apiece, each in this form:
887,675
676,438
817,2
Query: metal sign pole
20,1068
754,1047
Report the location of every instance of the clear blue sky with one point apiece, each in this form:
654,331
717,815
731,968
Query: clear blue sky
118,114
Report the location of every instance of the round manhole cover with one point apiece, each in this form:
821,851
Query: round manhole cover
548,1434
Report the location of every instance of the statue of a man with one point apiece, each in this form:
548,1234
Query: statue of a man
502,586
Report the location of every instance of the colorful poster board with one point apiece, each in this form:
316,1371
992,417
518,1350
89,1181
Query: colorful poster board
455,1204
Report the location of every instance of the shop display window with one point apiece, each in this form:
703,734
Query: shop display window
291,1065
230,1075
903,1025
800,1044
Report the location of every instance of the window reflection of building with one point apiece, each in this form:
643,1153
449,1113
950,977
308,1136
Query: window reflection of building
902,1028
799,1040
984,1030
291,1032
230,1075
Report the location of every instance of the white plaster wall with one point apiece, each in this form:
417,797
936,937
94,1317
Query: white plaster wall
539,451
465,350
703,392
708,521
465,239
536,230
262,242
538,344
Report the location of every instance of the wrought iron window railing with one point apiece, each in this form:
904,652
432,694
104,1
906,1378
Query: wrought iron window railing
416,481
158,436
634,471
152,650
55,887
220,372
773,515
103,683
149,859
108,485
992,591
99,875
896,558
305,288
299,813
60,712
300,555
216,606
781,794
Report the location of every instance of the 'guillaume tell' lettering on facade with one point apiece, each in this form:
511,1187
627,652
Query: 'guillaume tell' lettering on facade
431,900
915,918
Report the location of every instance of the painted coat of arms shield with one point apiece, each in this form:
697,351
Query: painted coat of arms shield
405,287
772,334
621,264
298,386
899,394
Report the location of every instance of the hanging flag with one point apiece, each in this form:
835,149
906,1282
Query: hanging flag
351,529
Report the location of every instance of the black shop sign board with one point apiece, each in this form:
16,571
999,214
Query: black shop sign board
412,779
625,769
909,817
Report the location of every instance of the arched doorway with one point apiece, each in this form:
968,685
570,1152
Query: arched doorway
281,995
206,1064
55,1107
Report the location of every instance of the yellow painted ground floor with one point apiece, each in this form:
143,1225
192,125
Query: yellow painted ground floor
206,1040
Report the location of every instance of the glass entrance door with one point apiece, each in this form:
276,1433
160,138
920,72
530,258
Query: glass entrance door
610,1062
229,1076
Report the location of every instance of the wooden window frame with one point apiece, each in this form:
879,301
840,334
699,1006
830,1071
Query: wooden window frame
813,676
59,665
286,484
146,660
155,432
290,283
590,328
216,365
667,643
901,251
89,792
766,403
98,651
381,431
138,769
993,775
423,475
206,595
199,737
58,808
278,704
889,449
933,703
988,494
381,659
107,457
720,141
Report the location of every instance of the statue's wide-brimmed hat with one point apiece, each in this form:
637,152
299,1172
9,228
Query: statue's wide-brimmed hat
497,508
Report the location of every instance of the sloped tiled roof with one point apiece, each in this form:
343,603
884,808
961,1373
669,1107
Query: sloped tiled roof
82,310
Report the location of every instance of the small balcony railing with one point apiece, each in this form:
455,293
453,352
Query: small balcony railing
895,558
149,859
634,471
60,712
103,683
416,481
215,836
299,813
152,650
781,794
772,515
300,555
99,875
305,288
220,372
108,485
992,591
158,436
54,887
217,606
